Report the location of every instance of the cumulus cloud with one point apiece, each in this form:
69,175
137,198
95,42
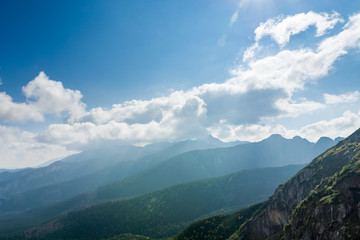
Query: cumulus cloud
17,112
261,91
19,148
349,97
44,96
291,108
178,116
341,126
281,28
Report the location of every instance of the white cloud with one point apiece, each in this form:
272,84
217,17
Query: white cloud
341,126
50,97
261,91
349,97
291,108
44,96
250,51
179,116
246,132
281,28
17,112
21,148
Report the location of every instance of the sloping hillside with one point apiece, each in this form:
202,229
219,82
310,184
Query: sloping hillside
270,218
166,212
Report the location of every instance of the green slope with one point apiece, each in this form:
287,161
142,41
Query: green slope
276,212
219,227
70,168
331,211
183,168
128,165
186,167
326,174
194,165
167,212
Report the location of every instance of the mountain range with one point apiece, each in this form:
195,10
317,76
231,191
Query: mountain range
157,171
128,185
321,201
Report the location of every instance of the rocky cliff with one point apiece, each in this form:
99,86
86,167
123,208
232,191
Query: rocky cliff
331,211
277,211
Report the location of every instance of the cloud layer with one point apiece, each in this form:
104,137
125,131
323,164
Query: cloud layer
263,89
245,107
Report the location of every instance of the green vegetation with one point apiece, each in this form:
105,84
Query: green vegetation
220,227
167,212
343,188
186,167
318,183
84,172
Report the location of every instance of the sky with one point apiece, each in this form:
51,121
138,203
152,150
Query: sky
80,74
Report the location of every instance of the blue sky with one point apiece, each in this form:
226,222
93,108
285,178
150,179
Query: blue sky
76,74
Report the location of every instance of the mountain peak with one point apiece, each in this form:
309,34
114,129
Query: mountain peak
298,138
274,137
324,140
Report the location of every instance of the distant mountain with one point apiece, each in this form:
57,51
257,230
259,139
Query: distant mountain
320,202
166,212
325,143
123,161
186,167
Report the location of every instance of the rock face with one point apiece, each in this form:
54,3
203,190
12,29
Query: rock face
332,211
277,211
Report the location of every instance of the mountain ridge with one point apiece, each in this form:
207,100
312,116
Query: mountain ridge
327,212
166,212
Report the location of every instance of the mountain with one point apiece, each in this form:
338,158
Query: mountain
158,173
166,212
276,212
325,143
219,227
102,160
320,202
185,167
55,192
72,167
194,165
332,210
